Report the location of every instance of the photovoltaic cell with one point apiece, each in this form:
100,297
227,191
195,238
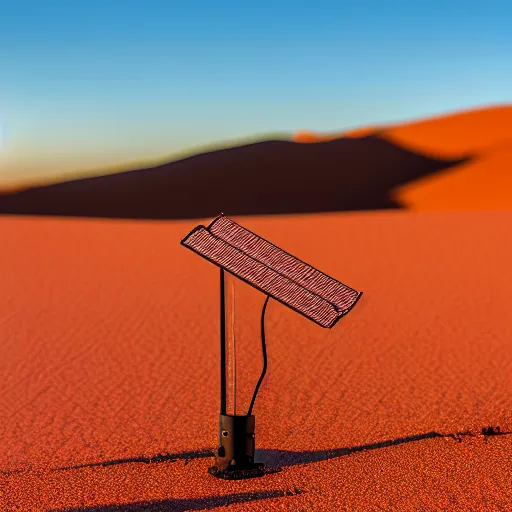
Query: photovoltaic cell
272,270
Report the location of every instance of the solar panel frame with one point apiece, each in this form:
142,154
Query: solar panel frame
337,313
303,273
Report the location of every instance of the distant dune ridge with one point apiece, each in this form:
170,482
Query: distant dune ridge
273,177
456,135
483,137
455,161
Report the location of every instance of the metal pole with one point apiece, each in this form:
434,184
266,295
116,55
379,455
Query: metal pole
222,345
233,333
235,455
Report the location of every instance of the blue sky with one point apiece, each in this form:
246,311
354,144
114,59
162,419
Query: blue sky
99,82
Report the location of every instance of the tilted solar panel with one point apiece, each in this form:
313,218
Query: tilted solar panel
273,271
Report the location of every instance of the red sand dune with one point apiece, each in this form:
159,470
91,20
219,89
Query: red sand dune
309,137
109,342
452,162
453,135
263,178
482,183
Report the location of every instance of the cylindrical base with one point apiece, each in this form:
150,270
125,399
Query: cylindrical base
235,456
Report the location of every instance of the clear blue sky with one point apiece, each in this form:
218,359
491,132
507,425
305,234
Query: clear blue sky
88,82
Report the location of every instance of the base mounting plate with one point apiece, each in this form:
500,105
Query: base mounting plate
234,473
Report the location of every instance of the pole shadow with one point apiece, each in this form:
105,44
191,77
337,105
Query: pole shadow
164,457
275,458
285,458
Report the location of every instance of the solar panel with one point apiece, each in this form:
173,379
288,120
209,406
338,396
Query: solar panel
281,276
273,271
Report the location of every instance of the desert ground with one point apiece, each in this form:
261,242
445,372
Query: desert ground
109,329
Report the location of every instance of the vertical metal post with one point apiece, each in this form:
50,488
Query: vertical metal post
233,334
235,455
222,344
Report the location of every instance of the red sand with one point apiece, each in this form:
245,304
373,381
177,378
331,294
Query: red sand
109,340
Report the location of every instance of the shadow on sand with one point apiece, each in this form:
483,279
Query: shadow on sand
180,505
273,459
277,458
270,177
165,457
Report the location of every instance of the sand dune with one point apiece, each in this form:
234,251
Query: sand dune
263,178
481,184
109,344
467,133
366,169
454,135
482,136
306,136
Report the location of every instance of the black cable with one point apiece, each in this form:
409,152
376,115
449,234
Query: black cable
264,350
